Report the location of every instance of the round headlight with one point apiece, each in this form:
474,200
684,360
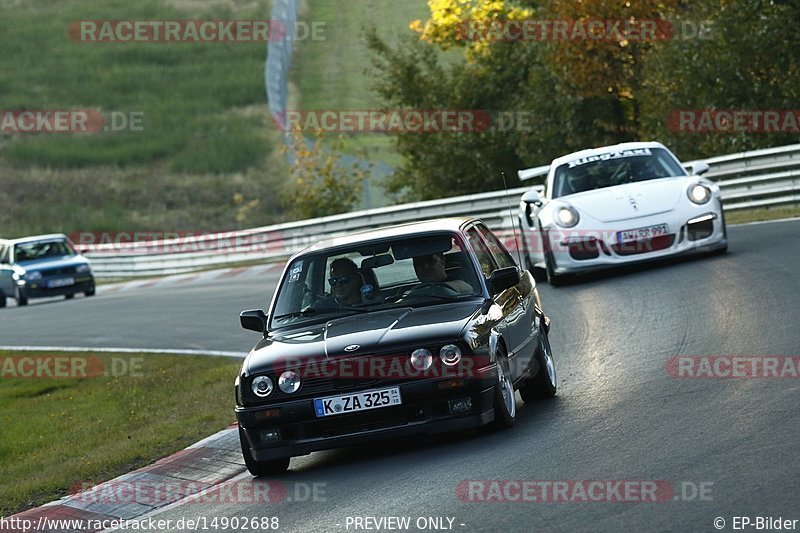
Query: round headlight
699,193
421,359
262,386
289,381
450,354
567,216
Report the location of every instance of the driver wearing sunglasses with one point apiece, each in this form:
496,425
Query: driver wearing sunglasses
345,282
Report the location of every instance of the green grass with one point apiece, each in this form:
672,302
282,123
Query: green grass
755,215
206,131
57,432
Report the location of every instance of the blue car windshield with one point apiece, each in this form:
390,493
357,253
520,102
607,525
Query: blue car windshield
37,250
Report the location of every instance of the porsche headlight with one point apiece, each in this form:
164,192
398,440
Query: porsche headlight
567,216
262,386
450,354
699,193
289,381
421,359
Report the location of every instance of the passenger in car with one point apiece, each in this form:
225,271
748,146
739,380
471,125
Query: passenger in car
431,269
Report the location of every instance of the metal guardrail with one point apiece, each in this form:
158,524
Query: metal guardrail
760,178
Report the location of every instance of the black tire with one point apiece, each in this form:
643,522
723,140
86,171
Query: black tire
261,468
20,297
2,299
90,292
69,296
505,400
545,383
550,268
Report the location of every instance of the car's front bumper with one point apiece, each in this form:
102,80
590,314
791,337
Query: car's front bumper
426,408
41,288
689,233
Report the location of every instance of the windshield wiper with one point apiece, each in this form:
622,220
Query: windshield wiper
304,312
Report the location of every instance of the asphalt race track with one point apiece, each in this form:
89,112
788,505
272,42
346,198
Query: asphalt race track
619,414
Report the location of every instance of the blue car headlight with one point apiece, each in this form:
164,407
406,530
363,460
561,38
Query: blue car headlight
33,276
81,269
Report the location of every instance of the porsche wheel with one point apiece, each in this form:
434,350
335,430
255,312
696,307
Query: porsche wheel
261,468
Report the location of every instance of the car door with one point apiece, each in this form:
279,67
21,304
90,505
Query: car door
526,329
511,327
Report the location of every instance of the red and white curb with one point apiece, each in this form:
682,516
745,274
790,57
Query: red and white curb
202,466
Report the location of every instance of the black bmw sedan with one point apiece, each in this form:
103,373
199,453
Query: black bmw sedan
420,328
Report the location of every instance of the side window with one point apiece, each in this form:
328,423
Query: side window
496,248
481,252
3,254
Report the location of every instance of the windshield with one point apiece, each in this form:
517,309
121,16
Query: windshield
32,251
614,168
417,271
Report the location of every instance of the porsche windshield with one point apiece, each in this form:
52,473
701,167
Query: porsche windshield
415,271
614,168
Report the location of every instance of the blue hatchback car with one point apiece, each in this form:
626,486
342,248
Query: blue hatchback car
42,266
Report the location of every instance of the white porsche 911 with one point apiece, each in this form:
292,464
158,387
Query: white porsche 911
617,205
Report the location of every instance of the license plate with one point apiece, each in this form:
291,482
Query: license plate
642,233
61,282
361,401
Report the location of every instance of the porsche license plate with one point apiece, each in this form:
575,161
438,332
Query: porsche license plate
642,233
361,401
61,282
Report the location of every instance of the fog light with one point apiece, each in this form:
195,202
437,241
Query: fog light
269,413
451,384
269,436
460,405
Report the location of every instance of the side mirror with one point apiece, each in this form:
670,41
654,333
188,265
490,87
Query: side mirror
532,197
699,167
503,278
254,319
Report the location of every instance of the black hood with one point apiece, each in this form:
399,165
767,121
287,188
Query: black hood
373,332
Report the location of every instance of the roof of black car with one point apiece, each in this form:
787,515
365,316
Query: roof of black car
390,232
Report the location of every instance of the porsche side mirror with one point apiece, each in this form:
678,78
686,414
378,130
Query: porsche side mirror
532,197
254,320
699,167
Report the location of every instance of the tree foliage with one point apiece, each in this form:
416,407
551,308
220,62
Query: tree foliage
321,181
569,94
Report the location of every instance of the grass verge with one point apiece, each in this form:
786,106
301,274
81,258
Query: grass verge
112,413
757,215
